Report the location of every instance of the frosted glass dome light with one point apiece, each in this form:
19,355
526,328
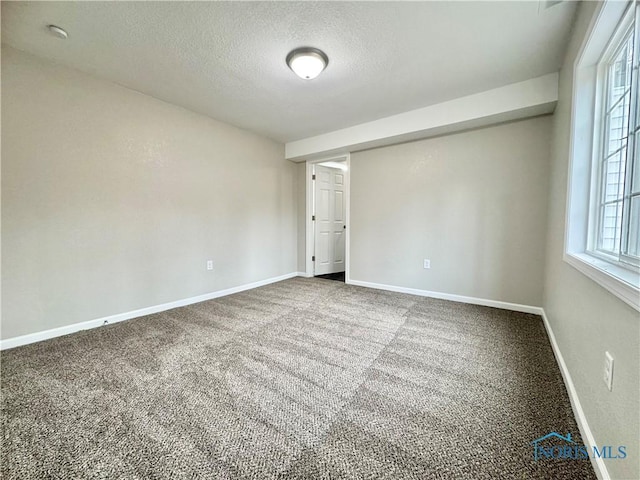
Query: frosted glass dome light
307,62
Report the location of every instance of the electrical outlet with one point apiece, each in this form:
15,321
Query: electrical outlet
608,370
209,264
427,263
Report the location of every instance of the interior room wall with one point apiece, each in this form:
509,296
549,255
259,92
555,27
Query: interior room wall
301,201
473,203
114,201
586,319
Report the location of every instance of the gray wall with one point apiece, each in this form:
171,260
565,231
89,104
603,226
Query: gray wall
586,319
301,199
474,203
113,200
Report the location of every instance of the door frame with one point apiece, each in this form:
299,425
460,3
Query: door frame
310,230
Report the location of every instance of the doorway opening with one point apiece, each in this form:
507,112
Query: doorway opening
338,276
327,233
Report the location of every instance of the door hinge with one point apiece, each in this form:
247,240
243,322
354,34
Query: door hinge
313,177
313,218
313,259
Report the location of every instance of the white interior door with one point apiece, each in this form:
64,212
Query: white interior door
330,211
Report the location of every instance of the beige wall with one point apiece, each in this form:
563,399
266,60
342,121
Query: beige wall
585,318
301,200
114,201
474,203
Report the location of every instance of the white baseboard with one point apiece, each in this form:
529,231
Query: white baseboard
448,296
304,274
76,327
587,436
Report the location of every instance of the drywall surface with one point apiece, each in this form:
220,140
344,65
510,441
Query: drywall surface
301,200
114,201
586,319
517,101
474,203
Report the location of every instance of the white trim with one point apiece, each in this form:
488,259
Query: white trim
76,327
581,419
309,236
347,240
449,296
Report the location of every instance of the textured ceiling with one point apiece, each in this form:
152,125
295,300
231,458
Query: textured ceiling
226,59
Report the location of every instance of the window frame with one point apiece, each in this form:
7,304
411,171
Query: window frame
628,28
586,144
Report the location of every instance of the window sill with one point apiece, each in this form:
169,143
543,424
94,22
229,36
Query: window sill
623,283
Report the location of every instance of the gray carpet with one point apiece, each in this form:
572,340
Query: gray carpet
302,379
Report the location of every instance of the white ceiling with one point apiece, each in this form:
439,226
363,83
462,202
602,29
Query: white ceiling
227,59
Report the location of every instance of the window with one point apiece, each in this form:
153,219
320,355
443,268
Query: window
616,220
602,238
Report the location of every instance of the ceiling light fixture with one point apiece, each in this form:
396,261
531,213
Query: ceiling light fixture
307,62
58,32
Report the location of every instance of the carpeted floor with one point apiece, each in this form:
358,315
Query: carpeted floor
302,379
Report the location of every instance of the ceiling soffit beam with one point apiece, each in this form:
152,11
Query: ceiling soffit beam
516,101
